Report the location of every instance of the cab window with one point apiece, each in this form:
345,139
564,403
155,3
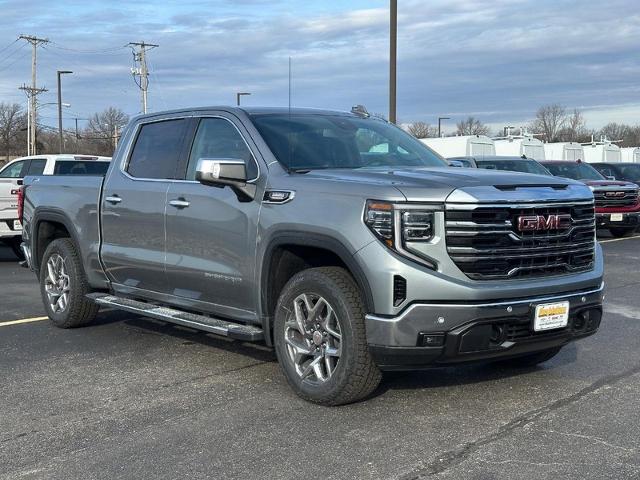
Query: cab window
157,150
36,167
219,138
13,171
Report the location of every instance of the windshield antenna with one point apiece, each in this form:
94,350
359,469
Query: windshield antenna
289,85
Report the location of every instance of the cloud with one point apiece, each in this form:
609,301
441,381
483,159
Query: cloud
498,60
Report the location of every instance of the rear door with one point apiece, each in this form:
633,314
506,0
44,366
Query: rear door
134,205
211,234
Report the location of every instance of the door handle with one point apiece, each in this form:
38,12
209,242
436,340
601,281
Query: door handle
179,203
113,199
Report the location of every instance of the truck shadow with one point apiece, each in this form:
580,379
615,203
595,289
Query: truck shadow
467,374
6,255
149,326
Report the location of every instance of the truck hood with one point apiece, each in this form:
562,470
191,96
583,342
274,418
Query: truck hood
471,185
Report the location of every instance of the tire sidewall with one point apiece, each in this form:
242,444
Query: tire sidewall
62,248
316,284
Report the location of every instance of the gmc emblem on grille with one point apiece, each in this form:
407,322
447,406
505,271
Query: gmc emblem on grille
614,194
528,223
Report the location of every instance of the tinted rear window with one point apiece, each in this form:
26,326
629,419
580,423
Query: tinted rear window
157,149
80,167
525,166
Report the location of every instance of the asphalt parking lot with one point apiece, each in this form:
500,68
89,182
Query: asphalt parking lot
135,398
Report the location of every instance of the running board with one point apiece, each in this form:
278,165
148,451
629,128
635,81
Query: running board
225,328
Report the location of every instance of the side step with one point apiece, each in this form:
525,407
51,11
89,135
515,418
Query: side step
225,328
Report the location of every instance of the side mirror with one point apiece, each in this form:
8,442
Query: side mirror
455,163
221,172
610,177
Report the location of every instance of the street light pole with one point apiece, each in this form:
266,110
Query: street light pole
239,94
393,50
60,73
440,124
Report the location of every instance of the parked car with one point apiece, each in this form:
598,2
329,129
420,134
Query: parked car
11,177
291,227
511,164
617,202
629,172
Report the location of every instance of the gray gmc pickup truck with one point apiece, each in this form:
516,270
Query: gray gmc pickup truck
336,238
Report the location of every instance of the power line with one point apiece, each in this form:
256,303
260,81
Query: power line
12,43
106,51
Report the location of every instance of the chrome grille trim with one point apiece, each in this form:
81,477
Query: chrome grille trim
483,241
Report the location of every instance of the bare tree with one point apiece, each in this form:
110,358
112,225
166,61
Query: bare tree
614,131
103,129
422,130
12,121
550,119
472,126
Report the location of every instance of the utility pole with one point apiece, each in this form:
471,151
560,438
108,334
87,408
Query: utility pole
393,50
140,56
440,125
60,73
240,94
33,91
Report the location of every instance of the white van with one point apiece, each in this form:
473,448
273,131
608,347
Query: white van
630,154
462,146
602,151
563,151
518,145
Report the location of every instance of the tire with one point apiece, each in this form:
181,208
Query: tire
339,350
532,359
620,232
61,262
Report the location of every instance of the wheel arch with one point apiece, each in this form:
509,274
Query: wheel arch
284,257
47,226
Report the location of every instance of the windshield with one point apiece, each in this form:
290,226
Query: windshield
525,166
312,141
575,171
629,172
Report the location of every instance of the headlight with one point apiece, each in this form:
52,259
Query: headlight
399,227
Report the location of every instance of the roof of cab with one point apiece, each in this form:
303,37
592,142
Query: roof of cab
249,111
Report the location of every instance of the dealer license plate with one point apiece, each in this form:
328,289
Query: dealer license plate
616,217
17,225
551,315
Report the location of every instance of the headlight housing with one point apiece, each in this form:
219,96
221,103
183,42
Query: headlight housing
400,226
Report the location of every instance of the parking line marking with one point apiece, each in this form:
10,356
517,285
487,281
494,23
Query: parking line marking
24,320
619,239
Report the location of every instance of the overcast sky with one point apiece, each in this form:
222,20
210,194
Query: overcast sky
496,60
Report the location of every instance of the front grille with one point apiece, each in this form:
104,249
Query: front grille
615,198
484,241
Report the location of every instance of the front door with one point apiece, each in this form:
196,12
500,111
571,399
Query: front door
134,206
211,234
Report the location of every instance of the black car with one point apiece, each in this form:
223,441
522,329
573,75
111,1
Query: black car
512,164
620,171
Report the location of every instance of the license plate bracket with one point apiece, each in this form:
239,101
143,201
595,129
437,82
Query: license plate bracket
551,316
17,225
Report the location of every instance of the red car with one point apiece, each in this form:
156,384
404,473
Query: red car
617,202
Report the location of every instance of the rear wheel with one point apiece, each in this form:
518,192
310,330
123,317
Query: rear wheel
63,286
320,338
620,232
532,359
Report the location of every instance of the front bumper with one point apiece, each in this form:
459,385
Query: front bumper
431,334
629,220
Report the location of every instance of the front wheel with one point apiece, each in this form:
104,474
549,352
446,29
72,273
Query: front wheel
320,339
63,286
620,232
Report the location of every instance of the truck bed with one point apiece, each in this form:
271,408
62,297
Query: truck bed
74,199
